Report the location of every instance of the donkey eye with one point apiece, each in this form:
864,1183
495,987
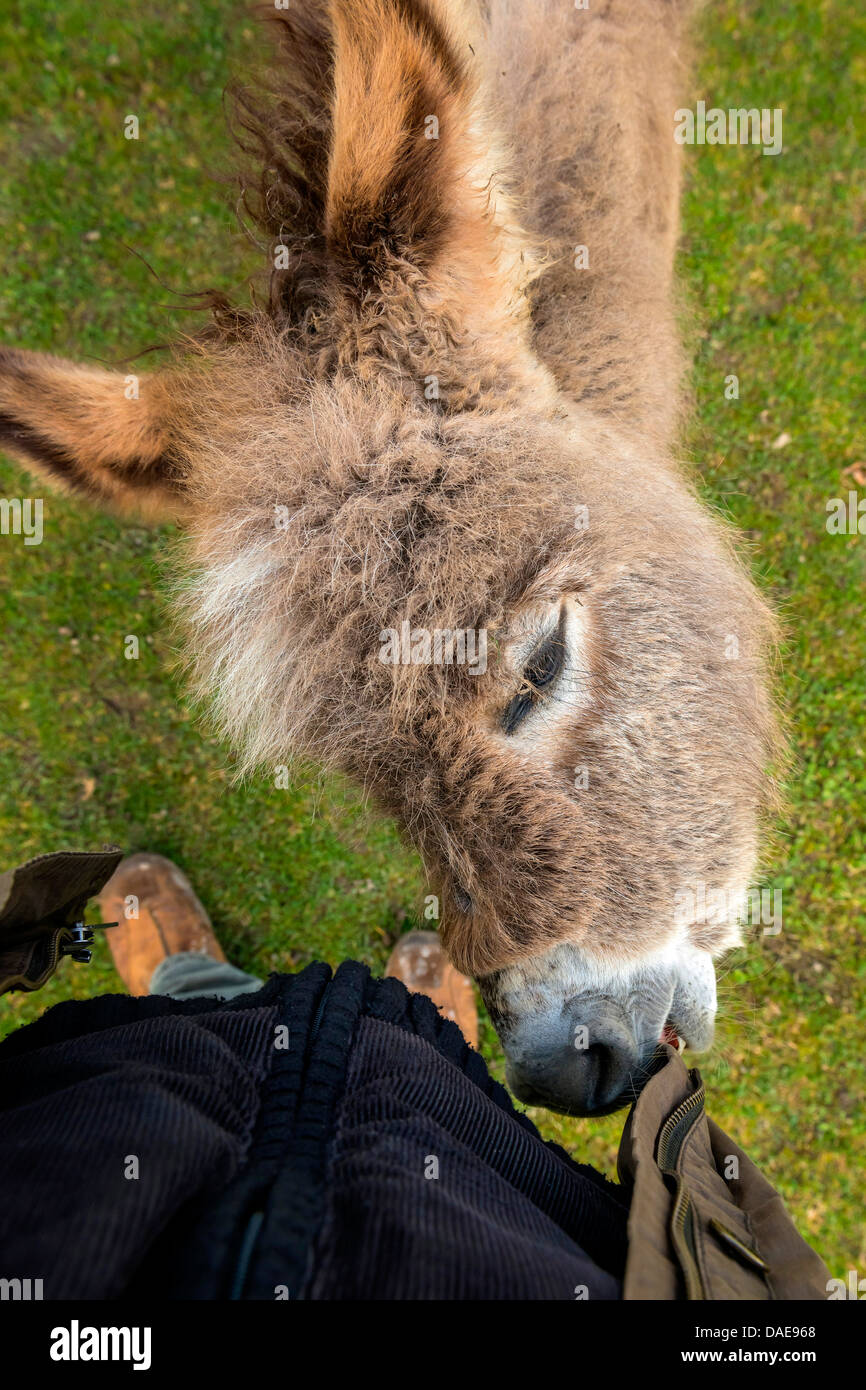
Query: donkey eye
462,898
539,673
545,665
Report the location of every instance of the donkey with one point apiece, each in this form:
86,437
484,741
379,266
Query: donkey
452,408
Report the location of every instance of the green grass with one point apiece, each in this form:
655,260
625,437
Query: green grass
96,748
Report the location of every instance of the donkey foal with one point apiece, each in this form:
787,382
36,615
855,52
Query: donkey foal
455,408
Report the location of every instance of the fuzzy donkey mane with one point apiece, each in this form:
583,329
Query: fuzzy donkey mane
363,213
284,126
574,149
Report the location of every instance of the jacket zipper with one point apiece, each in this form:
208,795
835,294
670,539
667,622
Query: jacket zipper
256,1219
675,1129
671,1139
315,1028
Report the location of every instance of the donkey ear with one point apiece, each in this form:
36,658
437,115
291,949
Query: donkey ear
407,187
104,435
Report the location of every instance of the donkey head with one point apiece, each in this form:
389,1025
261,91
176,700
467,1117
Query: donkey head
412,556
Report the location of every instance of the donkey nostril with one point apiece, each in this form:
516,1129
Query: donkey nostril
462,898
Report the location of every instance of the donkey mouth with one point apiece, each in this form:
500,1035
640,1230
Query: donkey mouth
670,1035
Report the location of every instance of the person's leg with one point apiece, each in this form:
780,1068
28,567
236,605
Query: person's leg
190,975
164,942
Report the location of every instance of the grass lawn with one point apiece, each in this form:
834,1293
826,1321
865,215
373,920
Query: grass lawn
96,748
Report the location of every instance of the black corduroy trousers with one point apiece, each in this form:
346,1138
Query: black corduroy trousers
323,1138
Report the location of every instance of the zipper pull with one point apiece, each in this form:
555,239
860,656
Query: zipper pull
737,1247
77,940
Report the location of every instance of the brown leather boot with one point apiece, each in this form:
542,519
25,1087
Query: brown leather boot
170,918
420,962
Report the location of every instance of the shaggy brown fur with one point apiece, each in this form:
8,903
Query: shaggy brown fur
408,258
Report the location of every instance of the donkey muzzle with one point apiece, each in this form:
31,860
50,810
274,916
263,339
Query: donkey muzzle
583,1043
588,1062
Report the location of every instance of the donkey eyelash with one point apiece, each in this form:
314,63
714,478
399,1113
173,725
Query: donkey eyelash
539,674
